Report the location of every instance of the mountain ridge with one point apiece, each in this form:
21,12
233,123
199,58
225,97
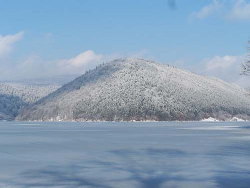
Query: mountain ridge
15,96
138,89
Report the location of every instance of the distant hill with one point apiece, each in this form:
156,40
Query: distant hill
15,96
137,89
44,81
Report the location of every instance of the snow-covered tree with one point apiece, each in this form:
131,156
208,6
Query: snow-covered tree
246,64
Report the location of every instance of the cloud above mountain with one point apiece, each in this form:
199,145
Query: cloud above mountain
227,68
36,67
7,42
81,62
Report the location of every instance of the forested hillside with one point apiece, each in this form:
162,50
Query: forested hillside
137,89
14,96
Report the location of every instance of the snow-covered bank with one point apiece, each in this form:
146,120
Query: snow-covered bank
211,119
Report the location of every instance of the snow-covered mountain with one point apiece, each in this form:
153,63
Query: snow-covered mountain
137,89
14,96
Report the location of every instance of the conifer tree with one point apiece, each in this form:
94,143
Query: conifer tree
246,64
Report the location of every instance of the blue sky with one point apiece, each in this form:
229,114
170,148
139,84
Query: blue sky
191,34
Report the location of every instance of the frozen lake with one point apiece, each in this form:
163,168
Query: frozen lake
165,154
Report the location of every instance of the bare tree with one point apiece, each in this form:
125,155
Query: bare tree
246,64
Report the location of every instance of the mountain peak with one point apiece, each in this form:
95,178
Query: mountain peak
139,89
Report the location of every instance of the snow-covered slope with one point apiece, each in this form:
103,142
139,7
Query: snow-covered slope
14,96
137,89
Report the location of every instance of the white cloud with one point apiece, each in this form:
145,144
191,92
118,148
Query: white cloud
35,67
207,10
88,60
80,63
227,68
240,10
7,42
84,59
230,9
221,63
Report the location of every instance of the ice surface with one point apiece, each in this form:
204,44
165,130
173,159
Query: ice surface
149,154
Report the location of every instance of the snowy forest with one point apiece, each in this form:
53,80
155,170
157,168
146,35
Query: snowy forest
137,89
15,96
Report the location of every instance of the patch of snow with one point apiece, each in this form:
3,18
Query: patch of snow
210,119
237,119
